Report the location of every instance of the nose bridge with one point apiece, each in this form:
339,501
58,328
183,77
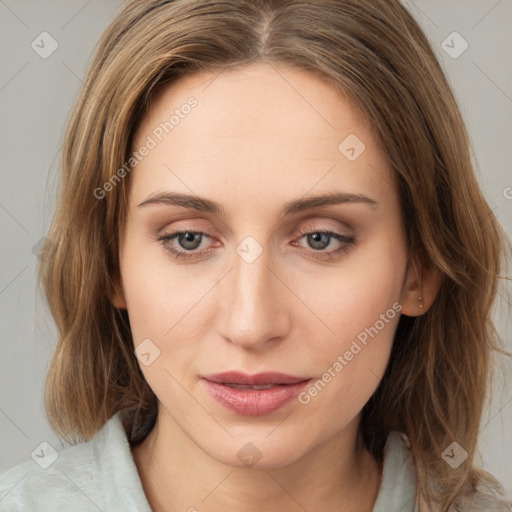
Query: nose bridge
251,273
252,309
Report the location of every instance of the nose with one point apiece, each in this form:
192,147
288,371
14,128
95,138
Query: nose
254,309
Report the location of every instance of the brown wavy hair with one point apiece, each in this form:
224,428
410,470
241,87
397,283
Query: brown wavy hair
434,389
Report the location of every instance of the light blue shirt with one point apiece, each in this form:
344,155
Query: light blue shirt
101,475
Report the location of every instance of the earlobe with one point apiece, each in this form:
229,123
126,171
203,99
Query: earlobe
421,287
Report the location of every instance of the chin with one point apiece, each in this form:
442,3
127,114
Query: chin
258,452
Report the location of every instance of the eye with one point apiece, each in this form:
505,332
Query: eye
318,240
189,240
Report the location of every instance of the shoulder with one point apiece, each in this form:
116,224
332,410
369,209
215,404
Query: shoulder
488,496
399,485
48,483
83,478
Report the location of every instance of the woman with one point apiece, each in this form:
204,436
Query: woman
271,267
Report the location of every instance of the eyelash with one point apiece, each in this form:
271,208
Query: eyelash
318,254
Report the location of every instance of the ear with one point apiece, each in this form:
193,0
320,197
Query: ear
117,298
421,286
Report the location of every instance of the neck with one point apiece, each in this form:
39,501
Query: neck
177,475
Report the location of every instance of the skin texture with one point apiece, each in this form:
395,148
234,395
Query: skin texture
259,137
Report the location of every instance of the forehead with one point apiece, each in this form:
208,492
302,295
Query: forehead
259,100
257,128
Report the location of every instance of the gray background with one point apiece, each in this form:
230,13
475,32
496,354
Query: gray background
36,95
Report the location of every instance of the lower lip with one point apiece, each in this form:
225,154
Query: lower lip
252,402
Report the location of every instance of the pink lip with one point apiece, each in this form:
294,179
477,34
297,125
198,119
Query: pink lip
252,402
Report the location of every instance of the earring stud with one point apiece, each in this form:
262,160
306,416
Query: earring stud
421,300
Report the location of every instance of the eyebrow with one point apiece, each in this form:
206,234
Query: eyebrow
202,204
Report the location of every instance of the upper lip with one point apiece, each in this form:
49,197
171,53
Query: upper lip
253,380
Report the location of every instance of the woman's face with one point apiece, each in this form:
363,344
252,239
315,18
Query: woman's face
255,287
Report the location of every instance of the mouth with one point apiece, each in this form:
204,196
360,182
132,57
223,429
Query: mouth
254,395
260,379
256,387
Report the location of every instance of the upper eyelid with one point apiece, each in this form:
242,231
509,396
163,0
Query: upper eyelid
302,232
307,222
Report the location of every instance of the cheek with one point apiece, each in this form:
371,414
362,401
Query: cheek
146,303
146,289
358,308
353,295
351,363
355,330
166,305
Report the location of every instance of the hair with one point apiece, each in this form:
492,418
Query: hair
435,385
